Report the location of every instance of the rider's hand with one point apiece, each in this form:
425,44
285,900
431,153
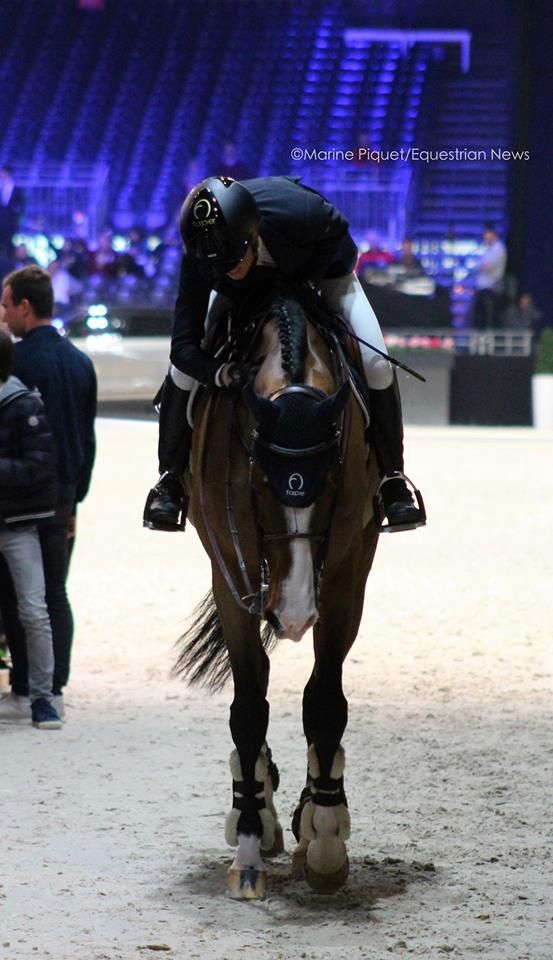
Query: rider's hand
232,375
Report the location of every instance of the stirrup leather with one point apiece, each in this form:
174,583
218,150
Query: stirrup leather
380,511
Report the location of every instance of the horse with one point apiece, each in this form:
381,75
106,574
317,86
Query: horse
282,487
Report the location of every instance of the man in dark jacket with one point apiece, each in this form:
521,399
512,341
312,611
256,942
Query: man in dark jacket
27,498
231,230
66,380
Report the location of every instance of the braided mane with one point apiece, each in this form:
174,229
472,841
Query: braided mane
292,331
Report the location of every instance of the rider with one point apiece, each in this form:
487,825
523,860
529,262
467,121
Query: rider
233,231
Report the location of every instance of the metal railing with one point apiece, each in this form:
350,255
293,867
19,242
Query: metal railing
55,192
371,200
481,343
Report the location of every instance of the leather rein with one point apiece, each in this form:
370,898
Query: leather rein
248,599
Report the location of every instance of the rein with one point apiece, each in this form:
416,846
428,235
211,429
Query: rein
227,576
251,601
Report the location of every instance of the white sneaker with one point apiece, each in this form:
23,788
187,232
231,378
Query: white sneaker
14,709
59,705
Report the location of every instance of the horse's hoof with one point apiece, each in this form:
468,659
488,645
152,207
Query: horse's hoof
246,883
278,843
326,882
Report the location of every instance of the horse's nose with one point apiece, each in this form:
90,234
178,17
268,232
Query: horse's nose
291,628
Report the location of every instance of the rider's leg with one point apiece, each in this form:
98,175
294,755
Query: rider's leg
167,504
346,297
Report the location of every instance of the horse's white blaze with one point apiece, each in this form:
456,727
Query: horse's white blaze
297,610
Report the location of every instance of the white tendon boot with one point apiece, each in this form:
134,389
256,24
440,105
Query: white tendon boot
247,876
324,826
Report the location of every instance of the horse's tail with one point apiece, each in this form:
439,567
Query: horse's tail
203,657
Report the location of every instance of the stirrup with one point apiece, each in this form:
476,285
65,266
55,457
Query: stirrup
170,526
380,511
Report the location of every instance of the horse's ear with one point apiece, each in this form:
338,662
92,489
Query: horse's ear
263,410
331,407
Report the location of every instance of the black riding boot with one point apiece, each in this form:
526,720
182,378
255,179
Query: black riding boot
167,504
394,500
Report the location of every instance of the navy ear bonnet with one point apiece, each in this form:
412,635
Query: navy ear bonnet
297,440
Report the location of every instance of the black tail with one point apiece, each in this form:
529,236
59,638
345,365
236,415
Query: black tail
203,658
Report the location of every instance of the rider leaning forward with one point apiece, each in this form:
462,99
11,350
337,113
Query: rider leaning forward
232,230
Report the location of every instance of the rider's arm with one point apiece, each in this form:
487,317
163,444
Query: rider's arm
317,233
188,327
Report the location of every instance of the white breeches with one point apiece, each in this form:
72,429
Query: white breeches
346,297
180,379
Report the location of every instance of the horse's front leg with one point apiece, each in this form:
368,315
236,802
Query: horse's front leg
251,824
321,822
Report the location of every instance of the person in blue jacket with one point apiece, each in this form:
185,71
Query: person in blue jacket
66,380
27,499
232,230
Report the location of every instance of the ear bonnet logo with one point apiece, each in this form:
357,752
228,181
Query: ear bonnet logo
295,485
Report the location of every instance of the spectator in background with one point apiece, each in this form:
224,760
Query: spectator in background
21,257
489,281
76,258
408,260
373,255
523,314
66,380
66,287
27,498
135,261
103,260
12,205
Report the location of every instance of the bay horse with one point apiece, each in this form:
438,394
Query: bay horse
282,485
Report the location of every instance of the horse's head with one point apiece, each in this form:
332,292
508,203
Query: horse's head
294,474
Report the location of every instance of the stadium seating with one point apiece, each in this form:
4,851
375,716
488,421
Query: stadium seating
147,87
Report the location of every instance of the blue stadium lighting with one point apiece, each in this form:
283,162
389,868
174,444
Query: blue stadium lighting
37,246
119,243
97,323
97,310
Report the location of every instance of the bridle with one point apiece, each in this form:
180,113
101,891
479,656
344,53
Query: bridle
245,596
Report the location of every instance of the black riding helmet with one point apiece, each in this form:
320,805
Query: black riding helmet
218,220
